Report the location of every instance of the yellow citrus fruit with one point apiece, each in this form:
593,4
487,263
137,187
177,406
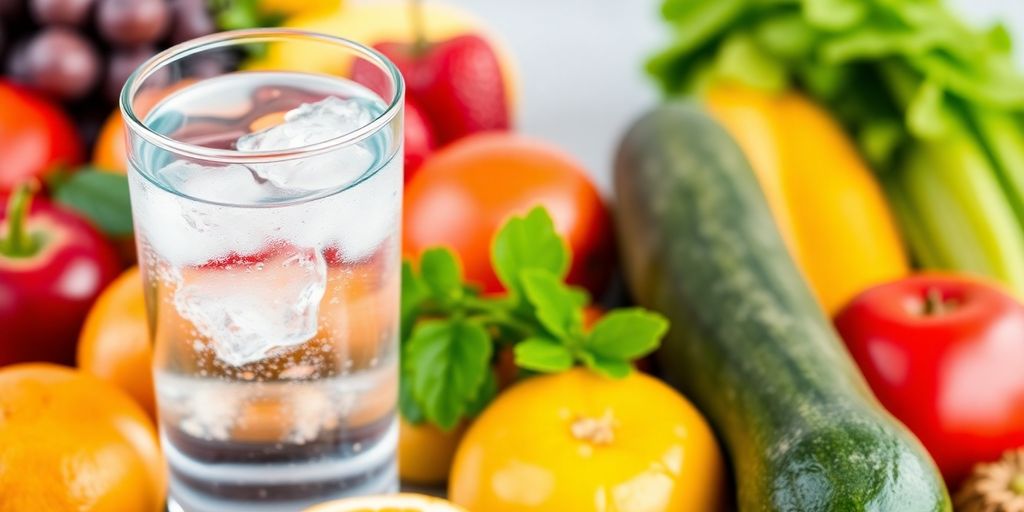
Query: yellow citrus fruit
293,7
579,441
425,452
114,342
71,442
389,503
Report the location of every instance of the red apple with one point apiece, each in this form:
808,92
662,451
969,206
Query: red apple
53,264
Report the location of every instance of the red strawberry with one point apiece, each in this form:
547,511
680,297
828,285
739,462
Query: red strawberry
456,82
419,140
419,137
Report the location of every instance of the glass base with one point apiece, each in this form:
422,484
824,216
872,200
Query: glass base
282,487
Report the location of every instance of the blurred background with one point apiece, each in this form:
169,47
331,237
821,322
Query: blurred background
582,64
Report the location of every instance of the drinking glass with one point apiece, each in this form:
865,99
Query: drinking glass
267,206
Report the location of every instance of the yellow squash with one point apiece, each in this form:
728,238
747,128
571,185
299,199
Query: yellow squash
825,200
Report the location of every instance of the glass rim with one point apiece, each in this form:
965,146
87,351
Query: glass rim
234,38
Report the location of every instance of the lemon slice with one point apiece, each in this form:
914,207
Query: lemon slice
389,503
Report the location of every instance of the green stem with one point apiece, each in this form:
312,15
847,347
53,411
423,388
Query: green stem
418,28
19,241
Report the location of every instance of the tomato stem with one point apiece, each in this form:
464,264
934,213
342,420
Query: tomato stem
19,242
936,305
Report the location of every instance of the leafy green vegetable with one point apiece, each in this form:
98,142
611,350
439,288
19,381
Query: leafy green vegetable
101,197
908,80
450,333
528,242
451,360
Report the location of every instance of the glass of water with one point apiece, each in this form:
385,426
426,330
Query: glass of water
267,209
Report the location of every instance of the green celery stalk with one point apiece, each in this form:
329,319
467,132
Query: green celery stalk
963,210
1003,137
913,227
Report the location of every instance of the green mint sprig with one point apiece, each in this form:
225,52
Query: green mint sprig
451,334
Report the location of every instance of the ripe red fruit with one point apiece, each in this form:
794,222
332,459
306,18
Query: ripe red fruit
457,82
53,264
36,137
419,139
942,352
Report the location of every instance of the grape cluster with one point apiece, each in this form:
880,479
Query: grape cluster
80,52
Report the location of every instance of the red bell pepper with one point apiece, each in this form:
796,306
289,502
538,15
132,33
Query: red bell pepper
53,264
945,355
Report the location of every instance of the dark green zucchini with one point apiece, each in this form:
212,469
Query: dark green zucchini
748,343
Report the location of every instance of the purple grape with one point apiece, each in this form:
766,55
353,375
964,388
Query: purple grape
16,65
120,65
61,12
190,20
132,22
61,62
11,8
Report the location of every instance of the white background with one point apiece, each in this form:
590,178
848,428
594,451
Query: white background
581,64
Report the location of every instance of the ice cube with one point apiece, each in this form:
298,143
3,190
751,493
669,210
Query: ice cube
232,183
311,123
248,309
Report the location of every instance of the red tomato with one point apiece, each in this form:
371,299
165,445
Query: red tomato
943,353
35,137
48,281
466,191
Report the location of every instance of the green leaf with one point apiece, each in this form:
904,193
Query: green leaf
528,242
556,305
448,361
626,334
835,14
741,58
407,405
414,292
543,355
488,390
102,197
441,273
611,368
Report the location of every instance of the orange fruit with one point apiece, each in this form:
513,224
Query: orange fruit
71,442
389,503
576,440
109,153
425,452
463,194
114,342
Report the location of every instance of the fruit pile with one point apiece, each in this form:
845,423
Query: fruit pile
80,52
829,367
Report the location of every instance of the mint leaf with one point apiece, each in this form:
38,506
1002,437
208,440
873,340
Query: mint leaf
407,405
555,303
543,355
448,361
580,296
101,197
626,334
488,390
442,274
528,242
414,292
612,368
